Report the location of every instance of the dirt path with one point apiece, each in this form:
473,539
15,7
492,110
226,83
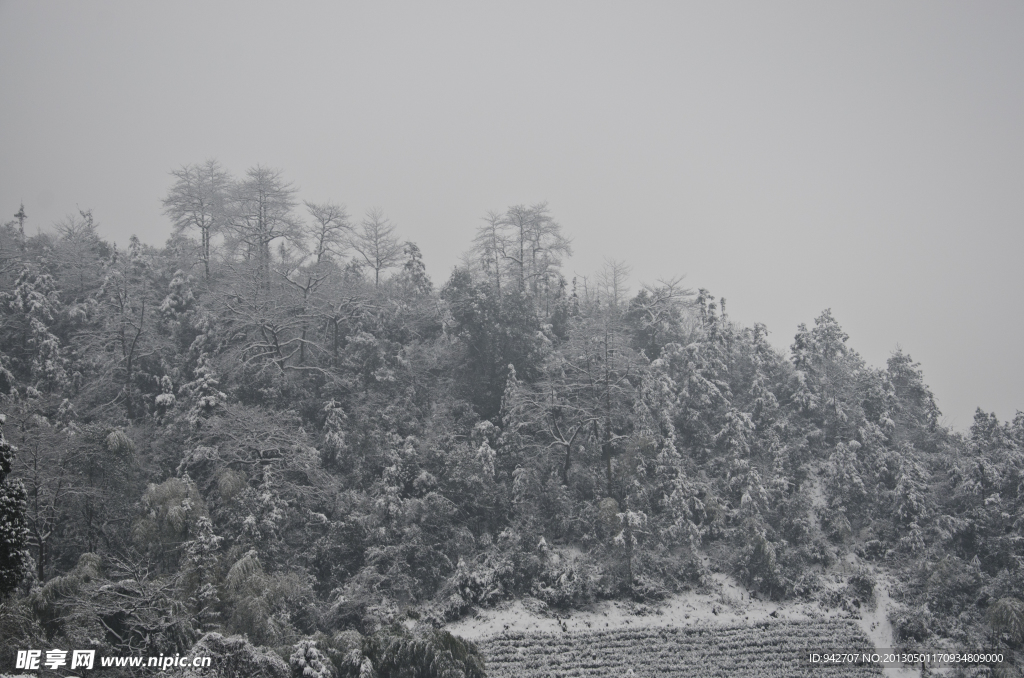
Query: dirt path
876,626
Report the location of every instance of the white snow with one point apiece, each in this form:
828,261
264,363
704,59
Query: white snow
726,603
729,603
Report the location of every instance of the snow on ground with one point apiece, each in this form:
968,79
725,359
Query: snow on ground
875,621
728,603
725,602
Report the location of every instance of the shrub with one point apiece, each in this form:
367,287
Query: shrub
910,624
1007,616
760,567
397,652
862,585
308,662
235,656
120,444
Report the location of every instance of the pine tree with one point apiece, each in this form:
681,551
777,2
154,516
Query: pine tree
13,524
198,573
377,244
198,201
827,375
30,352
261,212
202,394
413,277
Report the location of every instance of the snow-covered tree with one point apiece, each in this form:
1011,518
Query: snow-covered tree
375,241
31,354
261,211
198,201
13,525
827,372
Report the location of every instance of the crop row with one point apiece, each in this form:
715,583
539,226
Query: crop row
749,642
752,644
800,630
769,650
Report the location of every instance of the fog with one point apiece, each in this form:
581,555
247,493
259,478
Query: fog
865,157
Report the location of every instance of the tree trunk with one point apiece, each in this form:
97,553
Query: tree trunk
206,252
41,560
335,346
128,390
608,471
565,466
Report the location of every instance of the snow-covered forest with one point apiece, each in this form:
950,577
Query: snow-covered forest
275,438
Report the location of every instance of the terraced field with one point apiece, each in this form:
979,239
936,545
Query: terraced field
763,650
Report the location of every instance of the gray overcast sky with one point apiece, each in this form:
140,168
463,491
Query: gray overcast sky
792,156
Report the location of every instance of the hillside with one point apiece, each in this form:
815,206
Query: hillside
277,427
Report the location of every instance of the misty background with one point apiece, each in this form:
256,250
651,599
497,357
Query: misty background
865,157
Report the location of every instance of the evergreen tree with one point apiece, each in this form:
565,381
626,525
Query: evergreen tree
13,524
261,211
198,200
375,241
827,373
414,278
30,352
495,332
